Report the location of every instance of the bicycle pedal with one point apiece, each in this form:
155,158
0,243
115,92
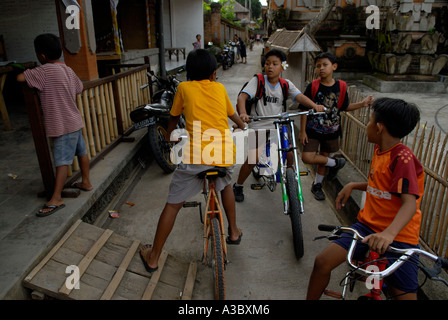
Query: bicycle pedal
191,204
256,186
333,294
303,173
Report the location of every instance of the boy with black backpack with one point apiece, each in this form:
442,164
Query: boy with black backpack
324,130
266,95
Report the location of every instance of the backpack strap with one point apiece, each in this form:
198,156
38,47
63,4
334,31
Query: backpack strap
285,87
260,86
342,90
314,88
342,93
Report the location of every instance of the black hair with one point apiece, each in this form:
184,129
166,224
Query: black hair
200,64
399,116
49,45
328,56
275,52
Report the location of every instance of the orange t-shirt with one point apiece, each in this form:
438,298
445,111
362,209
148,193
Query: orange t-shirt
393,172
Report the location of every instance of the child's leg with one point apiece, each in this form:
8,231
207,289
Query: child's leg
164,227
228,202
84,164
56,198
324,263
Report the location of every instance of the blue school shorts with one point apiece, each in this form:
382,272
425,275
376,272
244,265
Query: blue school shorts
405,277
67,146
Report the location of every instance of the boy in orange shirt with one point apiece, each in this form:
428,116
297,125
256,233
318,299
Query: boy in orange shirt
391,215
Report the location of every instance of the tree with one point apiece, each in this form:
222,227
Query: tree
313,26
255,7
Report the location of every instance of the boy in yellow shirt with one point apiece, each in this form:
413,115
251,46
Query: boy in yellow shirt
206,107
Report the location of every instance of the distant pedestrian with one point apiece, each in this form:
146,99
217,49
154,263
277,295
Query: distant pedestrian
58,86
197,44
243,51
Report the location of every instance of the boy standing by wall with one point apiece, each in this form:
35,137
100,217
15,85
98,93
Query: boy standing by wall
58,86
324,130
391,214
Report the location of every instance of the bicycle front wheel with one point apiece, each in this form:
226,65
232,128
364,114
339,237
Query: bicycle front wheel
294,212
218,260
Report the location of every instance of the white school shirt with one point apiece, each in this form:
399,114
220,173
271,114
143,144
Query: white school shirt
274,101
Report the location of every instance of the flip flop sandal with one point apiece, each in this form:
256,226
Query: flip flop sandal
145,264
236,242
47,213
74,185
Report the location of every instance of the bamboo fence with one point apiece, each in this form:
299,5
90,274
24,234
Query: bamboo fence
105,105
430,147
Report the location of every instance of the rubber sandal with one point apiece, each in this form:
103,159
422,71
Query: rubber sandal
74,185
53,210
145,264
236,242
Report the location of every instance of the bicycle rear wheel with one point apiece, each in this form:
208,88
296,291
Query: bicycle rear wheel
218,260
294,212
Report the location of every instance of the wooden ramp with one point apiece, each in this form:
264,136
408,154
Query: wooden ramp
109,267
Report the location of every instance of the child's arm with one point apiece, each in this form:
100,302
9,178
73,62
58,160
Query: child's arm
237,119
21,77
364,103
307,102
303,138
172,123
346,191
379,242
241,106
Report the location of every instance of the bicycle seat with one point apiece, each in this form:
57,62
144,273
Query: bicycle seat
218,172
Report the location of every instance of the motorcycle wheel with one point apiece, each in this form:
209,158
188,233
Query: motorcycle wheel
224,65
161,149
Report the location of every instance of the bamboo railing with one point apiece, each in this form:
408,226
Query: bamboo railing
429,145
105,105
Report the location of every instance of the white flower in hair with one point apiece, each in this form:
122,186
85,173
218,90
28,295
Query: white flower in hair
285,65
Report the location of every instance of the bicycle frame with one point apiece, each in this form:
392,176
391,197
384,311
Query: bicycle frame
381,271
212,210
282,125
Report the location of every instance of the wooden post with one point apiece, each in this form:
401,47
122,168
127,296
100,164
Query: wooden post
40,139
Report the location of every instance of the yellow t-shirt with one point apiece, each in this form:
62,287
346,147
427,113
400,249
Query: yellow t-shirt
206,107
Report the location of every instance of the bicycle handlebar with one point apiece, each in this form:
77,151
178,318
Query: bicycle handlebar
406,254
285,115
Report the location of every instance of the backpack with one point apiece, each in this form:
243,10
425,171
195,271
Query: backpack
342,91
261,93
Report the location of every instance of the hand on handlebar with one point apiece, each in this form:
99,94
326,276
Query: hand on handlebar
319,108
379,242
245,118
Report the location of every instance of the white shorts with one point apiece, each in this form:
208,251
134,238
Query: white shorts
185,184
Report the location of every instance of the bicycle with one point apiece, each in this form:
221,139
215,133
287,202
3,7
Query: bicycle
213,228
287,175
373,268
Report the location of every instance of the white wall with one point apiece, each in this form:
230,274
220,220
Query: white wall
187,20
21,22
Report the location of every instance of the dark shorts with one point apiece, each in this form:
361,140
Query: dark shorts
328,146
404,278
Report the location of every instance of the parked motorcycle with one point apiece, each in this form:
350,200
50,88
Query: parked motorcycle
227,57
155,116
